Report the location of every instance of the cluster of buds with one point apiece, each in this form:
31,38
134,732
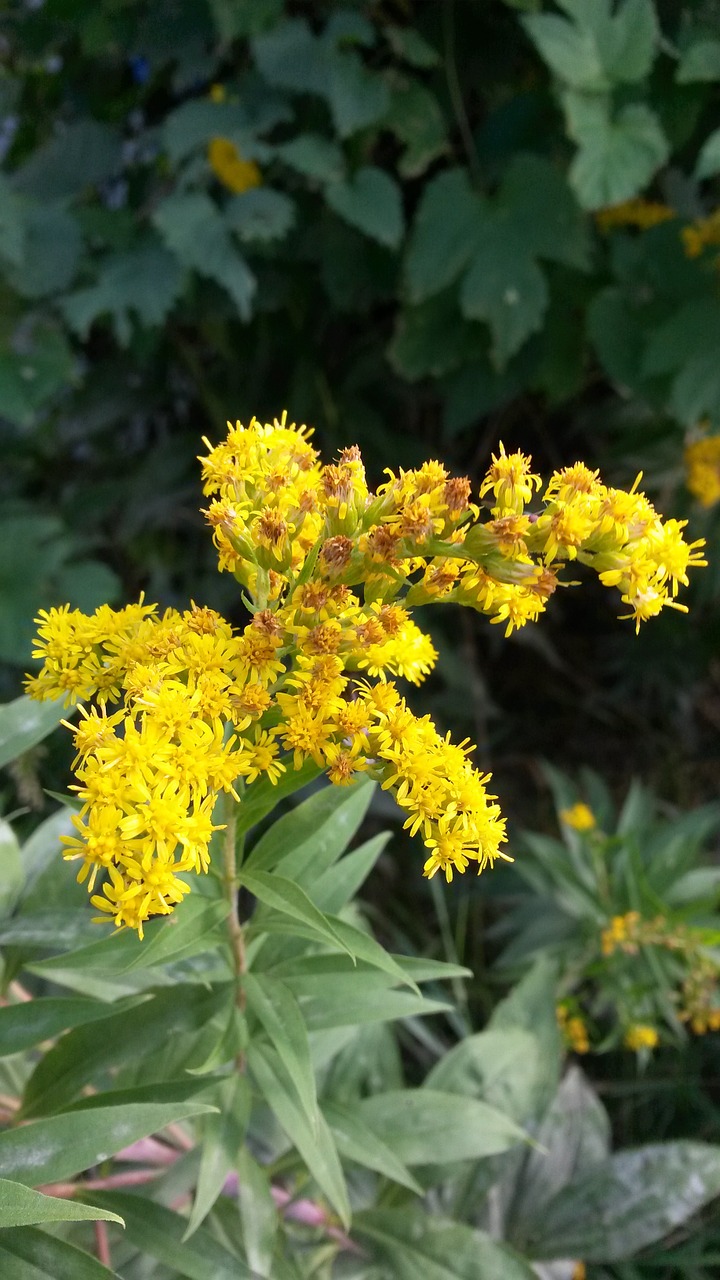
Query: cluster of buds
329,572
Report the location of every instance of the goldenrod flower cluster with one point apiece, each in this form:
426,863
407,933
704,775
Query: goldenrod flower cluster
701,234
329,572
573,1029
640,1035
702,463
230,168
638,213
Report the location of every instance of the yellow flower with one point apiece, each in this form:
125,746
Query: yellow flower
580,817
227,164
639,1035
702,464
634,213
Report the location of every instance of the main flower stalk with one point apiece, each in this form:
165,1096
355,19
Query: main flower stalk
185,707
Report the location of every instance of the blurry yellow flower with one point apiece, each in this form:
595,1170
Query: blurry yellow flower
702,464
702,232
574,1030
580,817
217,93
227,164
634,213
639,1035
579,1271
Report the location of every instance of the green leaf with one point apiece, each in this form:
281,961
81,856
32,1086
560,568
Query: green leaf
160,1233
544,212
277,1010
288,898
569,50
336,886
356,1142
357,97
222,1140
631,1200
313,1141
427,1126
248,18
617,157
260,1220
708,162
27,1253
21,1207
57,1148
447,230
29,1023
530,1006
314,157
420,1246
499,1067
260,215
434,338
291,57
261,797
126,1036
192,126
416,119
306,841
409,45
504,287
341,999
12,224
12,876
371,201
83,155
24,723
193,228
700,61
144,283
53,244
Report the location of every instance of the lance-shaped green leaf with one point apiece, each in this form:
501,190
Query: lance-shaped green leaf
160,1233
357,1142
29,1023
426,1126
24,723
258,1213
306,841
419,1246
288,898
261,797
28,1253
85,1052
22,1207
56,1148
336,886
314,1142
12,876
276,1008
222,1139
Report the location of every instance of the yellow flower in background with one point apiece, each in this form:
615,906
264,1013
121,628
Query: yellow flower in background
579,1271
634,213
574,1029
230,168
702,464
639,1035
702,233
580,817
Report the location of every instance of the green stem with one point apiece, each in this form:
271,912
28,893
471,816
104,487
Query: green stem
235,929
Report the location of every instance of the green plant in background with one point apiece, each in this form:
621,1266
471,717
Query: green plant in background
627,903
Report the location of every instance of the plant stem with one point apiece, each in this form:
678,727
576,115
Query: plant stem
235,929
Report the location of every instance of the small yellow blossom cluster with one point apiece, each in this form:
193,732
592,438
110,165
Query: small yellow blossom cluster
640,1035
573,1029
329,572
703,233
700,996
638,213
579,817
622,934
229,167
702,464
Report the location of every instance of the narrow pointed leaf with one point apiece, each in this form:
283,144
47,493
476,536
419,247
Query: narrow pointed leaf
277,1009
22,1207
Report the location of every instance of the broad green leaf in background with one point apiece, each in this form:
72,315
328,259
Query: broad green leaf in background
12,224
53,244
193,228
708,163
195,123
81,155
21,1207
24,723
56,1148
40,368
499,1067
409,45
700,61
419,1246
434,338
260,214
416,119
504,287
159,1232
629,1201
427,1126
314,156
599,47
357,97
447,230
28,1253
371,201
144,283
618,155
